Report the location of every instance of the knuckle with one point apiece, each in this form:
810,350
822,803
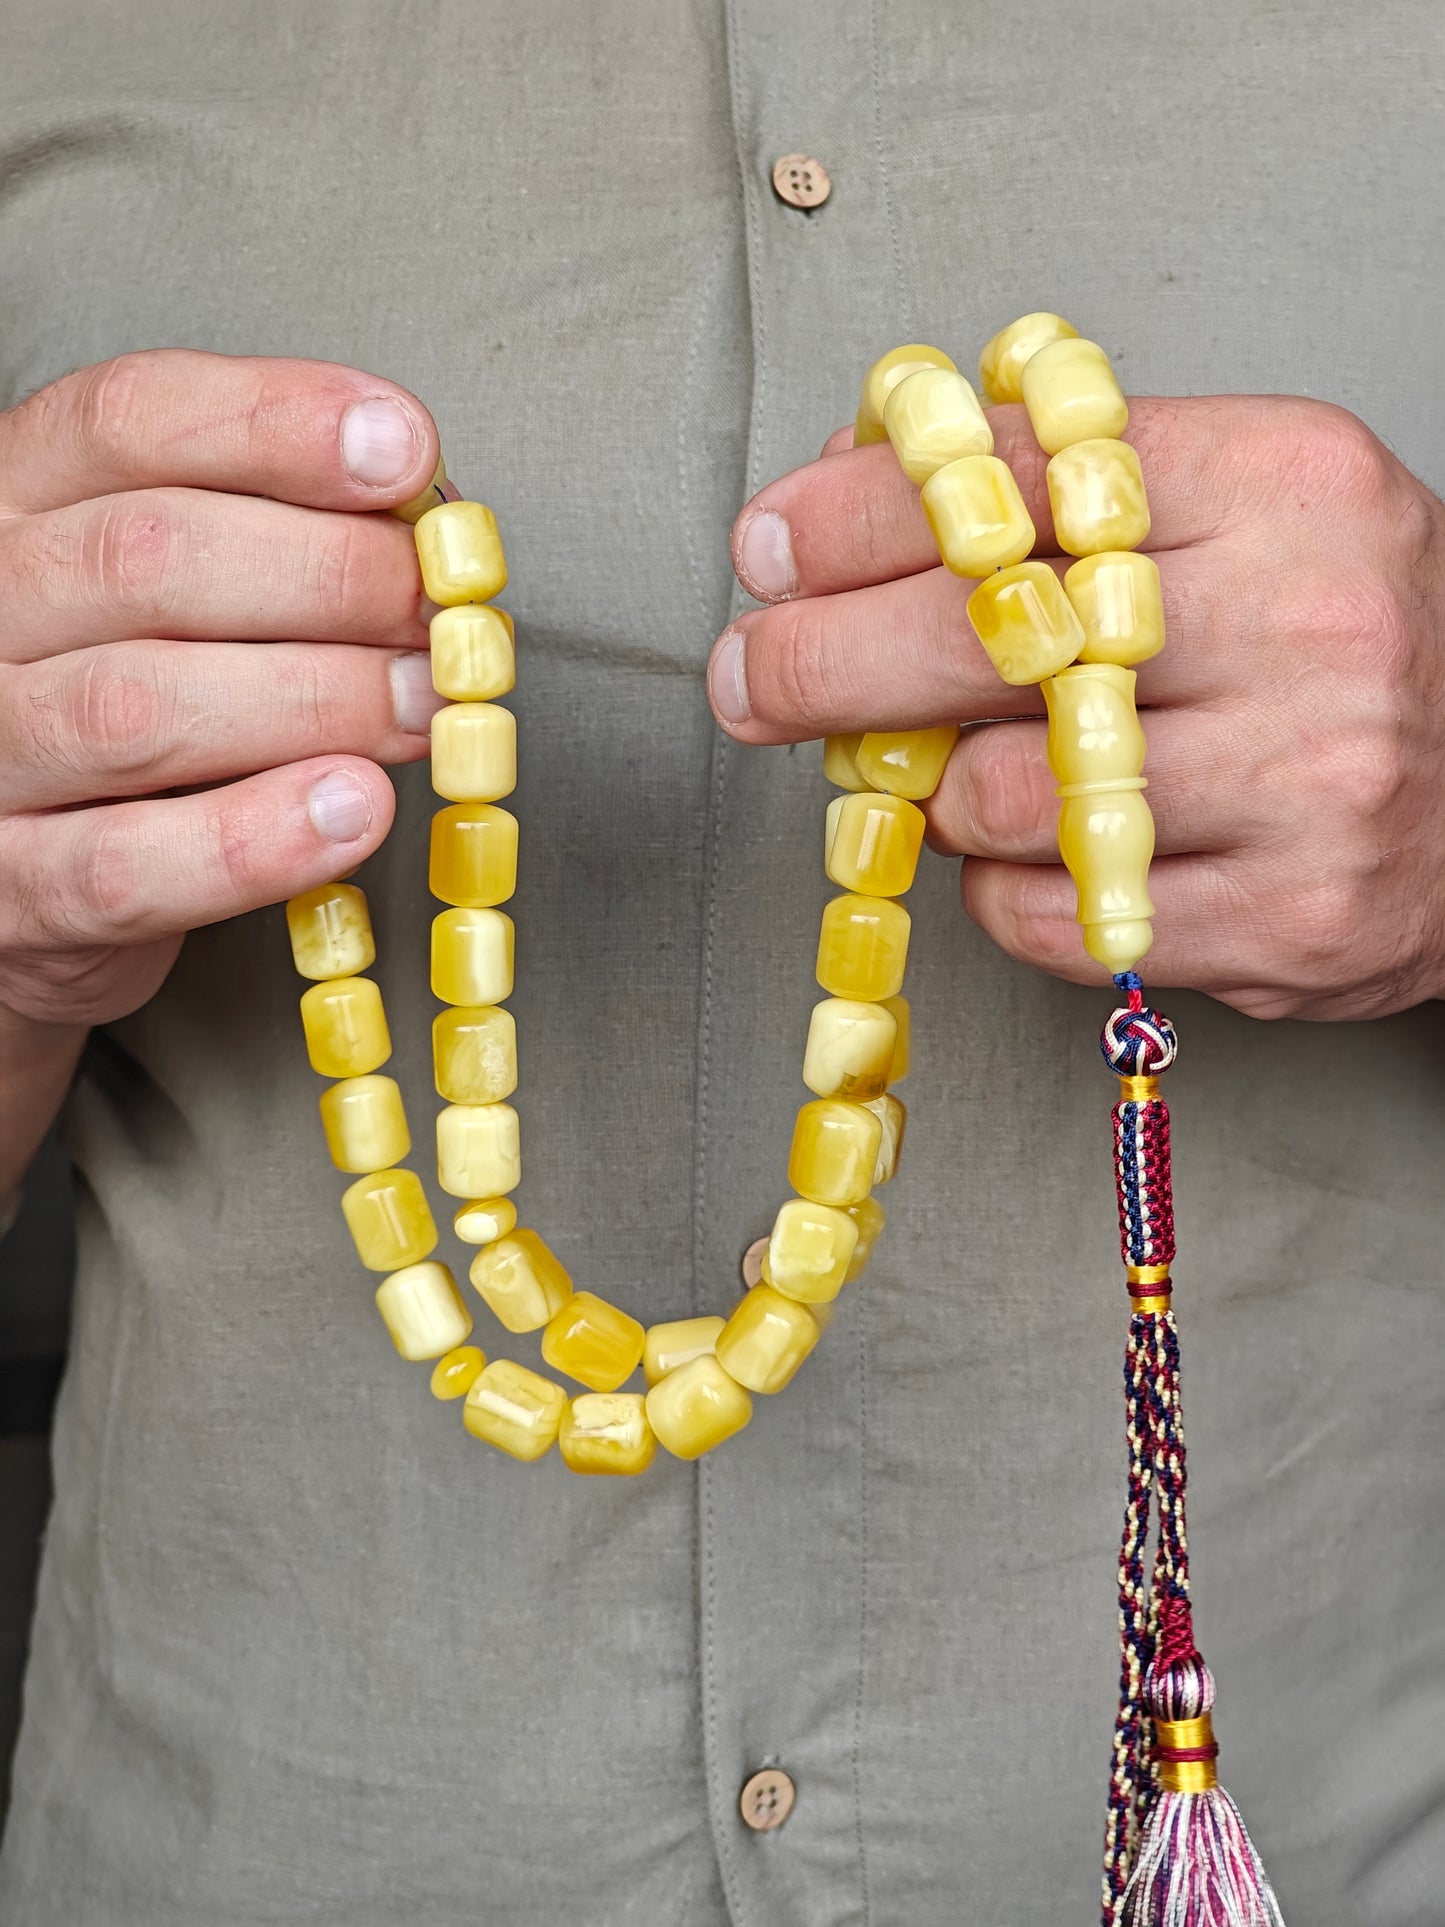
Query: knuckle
109,408
102,887
1007,794
116,716
1337,453
343,569
132,546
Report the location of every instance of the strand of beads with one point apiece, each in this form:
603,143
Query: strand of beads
702,1372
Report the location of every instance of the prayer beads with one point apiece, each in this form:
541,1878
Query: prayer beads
607,1432
389,1219
423,1311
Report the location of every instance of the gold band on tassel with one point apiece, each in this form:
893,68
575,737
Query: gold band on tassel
1147,1275
1155,1303
1138,1090
1186,1736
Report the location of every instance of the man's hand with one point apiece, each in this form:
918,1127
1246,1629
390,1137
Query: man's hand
160,516
1295,719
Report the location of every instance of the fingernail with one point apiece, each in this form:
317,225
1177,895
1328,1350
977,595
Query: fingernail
378,442
339,807
412,695
727,677
765,557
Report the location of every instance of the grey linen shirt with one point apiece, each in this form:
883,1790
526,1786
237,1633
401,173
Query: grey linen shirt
306,1652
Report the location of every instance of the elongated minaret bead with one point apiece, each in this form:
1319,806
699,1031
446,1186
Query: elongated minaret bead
1106,831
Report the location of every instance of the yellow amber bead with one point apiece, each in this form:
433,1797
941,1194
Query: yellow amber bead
850,1048
863,948
423,1311
932,417
906,762
810,1250
882,378
365,1124
389,1219
473,855
483,1220
697,1407
873,843
331,932
471,956
1096,491
518,1411
902,1015
1119,601
594,1342
607,1432
473,653
766,1340
479,1150
474,1054
835,1146
1095,738
977,515
521,1280
839,764
892,1115
1025,622
1106,838
430,496
345,1027
460,553
670,1345
474,752
1002,363
1072,395
867,1214
456,1372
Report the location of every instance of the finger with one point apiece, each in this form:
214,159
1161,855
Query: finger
134,718
856,518
131,873
903,655
998,797
179,562
301,431
840,439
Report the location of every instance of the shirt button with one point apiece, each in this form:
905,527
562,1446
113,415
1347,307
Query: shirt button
752,1265
767,1799
801,181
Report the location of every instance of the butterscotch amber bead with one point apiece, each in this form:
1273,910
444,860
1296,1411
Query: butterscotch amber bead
594,1342
481,1221
1096,491
977,515
473,855
892,1115
1106,839
460,553
1095,737
902,1014
518,1411
330,931
906,762
521,1280
389,1219
474,752
840,762
850,1048
1072,395
365,1124
835,1146
456,1372
673,1344
608,1433
810,1250
867,1214
423,1311
1119,601
882,378
1025,622
1002,363
471,956
863,948
766,1340
873,843
473,653
474,1054
932,417
430,496
479,1150
696,1408
345,1027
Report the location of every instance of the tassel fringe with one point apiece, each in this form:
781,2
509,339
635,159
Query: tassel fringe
1197,1867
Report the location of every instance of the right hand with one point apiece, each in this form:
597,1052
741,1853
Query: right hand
160,516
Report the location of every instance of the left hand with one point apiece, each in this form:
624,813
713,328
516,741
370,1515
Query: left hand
1295,719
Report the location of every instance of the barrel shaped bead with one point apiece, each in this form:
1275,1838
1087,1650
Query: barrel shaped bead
389,1219
1025,622
593,1341
977,515
835,1149
473,653
1119,601
521,1280
365,1123
932,417
840,761
345,1027
672,1344
884,376
697,1408
810,1250
850,1049
423,1311
460,553
474,752
472,956
516,1410
1001,365
1072,394
417,507
474,1054
479,1150
863,947
872,843
766,1339
330,930
607,1433
473,855
892,1115
906,762
1096,492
